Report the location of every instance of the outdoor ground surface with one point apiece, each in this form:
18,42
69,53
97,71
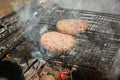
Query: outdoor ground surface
6,6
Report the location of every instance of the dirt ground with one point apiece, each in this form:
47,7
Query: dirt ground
6,6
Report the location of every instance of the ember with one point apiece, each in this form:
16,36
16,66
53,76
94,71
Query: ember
64,75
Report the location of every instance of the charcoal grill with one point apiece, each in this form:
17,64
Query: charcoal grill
95,50
20,54
14,47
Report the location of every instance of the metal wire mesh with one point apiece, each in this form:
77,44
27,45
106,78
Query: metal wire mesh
98,46
106,25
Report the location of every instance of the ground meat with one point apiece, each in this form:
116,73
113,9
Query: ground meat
72,26
57,42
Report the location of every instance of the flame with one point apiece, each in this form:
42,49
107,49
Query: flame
8,56
64,75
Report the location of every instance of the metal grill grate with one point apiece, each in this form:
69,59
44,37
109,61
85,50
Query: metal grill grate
97,47
106,24
21,55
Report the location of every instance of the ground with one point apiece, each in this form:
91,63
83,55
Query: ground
6,6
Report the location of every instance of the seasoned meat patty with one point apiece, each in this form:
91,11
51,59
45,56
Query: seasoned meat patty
72,26
57,42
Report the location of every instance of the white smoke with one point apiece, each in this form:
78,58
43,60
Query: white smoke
117,65
16,5
107,6
29,18
38,55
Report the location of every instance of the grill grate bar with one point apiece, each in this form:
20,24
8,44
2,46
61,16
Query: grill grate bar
98,22
95,48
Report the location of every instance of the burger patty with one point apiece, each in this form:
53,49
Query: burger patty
57,42
72,26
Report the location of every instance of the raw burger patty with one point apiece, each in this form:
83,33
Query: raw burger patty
57,42
72,26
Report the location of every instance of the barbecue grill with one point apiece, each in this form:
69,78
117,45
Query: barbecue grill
95,49
94,52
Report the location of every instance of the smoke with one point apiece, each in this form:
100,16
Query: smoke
38,56
107,6
30,15
29,19
17,5
117,66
